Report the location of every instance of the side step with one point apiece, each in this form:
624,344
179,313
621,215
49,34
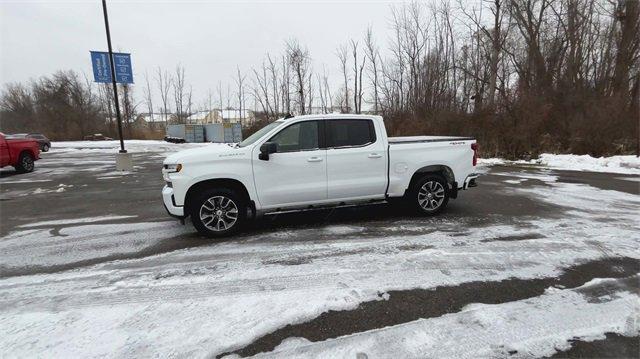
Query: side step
318,208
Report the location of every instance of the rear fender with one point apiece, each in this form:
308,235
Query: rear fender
443,170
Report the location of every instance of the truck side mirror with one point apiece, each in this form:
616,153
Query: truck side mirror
266,149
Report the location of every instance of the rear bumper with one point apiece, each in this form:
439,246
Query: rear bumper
170,205
470,181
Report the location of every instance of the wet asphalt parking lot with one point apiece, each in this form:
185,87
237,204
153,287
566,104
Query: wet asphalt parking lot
75,228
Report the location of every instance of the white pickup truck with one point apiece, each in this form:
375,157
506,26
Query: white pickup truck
310,162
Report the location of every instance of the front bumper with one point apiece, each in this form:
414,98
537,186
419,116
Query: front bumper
169,203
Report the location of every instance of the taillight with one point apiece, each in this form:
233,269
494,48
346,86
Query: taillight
474,147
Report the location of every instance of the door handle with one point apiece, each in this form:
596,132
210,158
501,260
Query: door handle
375,155
314,159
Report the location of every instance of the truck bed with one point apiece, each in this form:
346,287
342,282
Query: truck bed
407,155
418,139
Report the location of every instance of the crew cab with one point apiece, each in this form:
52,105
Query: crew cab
20,153
310,162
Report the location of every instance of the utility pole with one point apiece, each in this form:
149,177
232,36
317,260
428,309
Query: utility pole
113,76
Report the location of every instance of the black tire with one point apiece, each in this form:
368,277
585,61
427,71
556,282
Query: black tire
45,147
213,204
429,195
25,163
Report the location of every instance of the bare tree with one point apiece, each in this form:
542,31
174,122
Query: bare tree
373,54
628,43
300,61
190,101
163,80
241,94
274,78
105,91
209,103
179,95
128,106
357,77
310,93
285,85
220,94
261,89
342,57
148,96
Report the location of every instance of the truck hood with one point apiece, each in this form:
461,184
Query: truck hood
211,152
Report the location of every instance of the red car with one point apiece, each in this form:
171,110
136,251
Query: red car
20,153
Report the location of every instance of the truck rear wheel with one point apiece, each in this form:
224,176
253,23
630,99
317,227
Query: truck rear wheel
429,195
25,163
218,212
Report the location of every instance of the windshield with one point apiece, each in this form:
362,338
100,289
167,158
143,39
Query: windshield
258,134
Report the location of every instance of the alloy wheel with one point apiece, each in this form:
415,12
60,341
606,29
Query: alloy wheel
27,163
431,195
219,213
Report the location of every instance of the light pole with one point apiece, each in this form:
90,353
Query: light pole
113,75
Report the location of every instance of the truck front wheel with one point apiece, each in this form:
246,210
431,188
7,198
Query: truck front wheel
25,163
430,194
218,212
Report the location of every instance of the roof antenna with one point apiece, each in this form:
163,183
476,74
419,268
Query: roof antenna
288,115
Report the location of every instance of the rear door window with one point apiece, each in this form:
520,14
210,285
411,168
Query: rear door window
350,133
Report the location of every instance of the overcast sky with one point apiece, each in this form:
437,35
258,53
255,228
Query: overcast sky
210,38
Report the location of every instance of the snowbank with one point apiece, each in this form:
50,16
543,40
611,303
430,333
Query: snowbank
613,164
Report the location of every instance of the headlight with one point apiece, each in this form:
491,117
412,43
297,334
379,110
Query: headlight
173,168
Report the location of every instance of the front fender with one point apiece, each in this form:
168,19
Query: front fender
181,190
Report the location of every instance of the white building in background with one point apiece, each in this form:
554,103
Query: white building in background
155,120
246,117
204,117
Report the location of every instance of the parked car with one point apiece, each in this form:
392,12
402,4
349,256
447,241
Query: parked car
43,141
97,137
20,153
315,161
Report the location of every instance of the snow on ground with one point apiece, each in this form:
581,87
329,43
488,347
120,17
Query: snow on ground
613,164
632,179
527,328
60,222
114,146
23,180
68,157
44,245
59,189
203,301
533,327
543,176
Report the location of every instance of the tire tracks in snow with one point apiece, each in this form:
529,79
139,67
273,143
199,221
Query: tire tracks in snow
410,305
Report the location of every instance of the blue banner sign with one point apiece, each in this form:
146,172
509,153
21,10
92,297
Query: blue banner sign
102,69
